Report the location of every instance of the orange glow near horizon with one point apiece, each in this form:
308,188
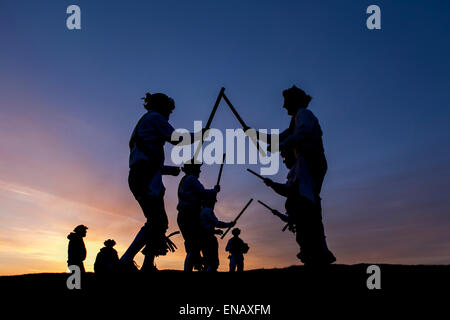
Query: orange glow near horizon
44,196
34,239
33,236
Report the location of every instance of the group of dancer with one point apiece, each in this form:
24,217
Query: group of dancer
302,151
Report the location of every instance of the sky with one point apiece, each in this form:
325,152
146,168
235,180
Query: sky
69,100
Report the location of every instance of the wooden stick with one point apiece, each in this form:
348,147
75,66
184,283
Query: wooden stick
265,205
214,109
238,216
220,170
258,175
173,233
236,114
208,123
244,125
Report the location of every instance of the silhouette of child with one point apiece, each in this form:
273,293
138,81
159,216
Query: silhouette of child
77,250
107,259
237,248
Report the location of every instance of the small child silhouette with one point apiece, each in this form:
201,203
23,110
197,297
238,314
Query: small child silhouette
237,248
107,259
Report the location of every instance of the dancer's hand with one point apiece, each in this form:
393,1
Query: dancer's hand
217,188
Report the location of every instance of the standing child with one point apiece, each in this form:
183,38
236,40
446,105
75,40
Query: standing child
237,248
107,259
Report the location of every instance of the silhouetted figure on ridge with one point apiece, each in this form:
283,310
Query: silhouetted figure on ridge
190,195
303,153
76,249
209,244
237,248
145,178
107,260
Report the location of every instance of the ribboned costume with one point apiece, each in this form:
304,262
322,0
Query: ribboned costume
304,183
146,164
209,244
190,195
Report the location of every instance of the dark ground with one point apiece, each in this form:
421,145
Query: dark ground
290,291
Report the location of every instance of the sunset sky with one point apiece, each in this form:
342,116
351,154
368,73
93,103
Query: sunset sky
70,99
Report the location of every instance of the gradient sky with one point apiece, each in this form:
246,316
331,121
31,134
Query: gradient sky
70,99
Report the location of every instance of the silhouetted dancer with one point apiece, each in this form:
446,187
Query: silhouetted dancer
209,244
145,178
107,260
237,248
77,250
303,140
190,194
